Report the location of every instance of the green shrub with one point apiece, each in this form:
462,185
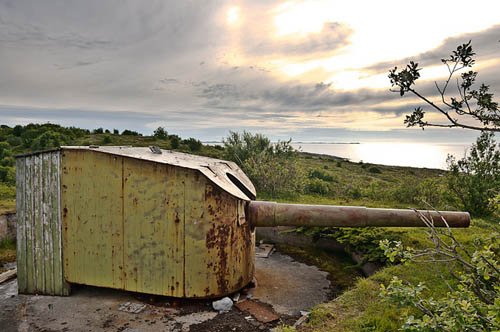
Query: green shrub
317,186
193,144
316,174
272,168
475,179
374,170
354,192
130,133
107,139
175,141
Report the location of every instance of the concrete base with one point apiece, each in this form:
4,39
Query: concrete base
286,285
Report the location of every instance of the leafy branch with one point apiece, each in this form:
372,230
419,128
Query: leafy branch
471,109
473,304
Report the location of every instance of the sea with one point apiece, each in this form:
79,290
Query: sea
428,155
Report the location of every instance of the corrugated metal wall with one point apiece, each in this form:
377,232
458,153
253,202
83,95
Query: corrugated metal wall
39,242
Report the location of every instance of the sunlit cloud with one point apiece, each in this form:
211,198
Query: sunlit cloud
272,66
233,15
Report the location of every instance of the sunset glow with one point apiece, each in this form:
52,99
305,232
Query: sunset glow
280,67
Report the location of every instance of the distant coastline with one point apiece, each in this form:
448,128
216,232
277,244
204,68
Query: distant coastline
219,142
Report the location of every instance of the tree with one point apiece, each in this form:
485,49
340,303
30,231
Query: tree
471,108
473,302
160,133
475,179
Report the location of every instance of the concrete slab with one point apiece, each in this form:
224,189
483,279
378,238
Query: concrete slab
286,285
289,286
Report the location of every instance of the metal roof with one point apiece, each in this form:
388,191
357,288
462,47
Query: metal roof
225,174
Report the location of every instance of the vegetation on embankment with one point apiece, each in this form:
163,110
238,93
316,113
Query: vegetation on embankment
363,309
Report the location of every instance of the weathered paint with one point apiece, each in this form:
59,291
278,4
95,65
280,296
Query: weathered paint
225,174
151,227
39,233
219,249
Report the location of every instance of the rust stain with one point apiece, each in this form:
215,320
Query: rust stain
218,238
261,312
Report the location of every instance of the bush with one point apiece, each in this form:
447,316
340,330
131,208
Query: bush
14,141
8,175
193,144
354,192
316,174
107,139
272,168
374,170
175,141
406,192
475,179
130,133
317,186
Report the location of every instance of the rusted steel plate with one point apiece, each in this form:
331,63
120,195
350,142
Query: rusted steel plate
219,246
152,227
260,311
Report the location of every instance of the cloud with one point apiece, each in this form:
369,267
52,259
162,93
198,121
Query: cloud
485,44
330,39
138,65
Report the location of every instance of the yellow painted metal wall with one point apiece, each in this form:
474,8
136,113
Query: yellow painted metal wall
150,227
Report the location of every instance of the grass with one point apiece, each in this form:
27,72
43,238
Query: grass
362,309
7,253
7,205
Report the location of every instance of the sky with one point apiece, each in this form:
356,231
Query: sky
309,70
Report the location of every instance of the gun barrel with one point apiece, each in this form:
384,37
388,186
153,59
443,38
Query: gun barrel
270,214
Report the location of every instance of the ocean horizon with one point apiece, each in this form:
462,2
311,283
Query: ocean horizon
423,155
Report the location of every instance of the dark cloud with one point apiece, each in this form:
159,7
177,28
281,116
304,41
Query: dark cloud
169,81
289,96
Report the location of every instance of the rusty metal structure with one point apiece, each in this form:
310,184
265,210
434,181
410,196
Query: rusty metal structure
155,221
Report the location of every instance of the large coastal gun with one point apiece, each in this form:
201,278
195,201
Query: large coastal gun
271,214
155,221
